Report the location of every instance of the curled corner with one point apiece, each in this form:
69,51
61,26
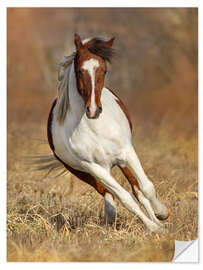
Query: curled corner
186,251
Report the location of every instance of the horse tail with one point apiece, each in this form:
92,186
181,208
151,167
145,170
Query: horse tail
47,163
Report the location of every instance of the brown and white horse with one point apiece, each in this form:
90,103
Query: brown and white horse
89,132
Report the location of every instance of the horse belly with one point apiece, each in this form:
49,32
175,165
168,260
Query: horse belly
98,149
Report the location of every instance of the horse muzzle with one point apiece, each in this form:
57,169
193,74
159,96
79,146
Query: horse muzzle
93,114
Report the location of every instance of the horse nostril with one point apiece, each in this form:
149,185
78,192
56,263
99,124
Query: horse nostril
93,114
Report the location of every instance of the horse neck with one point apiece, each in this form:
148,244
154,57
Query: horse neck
76,102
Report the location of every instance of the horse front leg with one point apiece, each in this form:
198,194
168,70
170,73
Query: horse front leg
128,201
145,185
138,194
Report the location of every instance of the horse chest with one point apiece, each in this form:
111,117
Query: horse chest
102,141
97,141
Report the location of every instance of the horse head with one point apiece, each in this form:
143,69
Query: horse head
90,70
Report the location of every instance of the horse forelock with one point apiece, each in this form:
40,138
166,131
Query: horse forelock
100,48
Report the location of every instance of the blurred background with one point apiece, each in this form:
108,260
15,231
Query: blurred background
155,73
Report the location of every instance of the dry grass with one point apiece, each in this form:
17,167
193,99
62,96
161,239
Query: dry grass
62,219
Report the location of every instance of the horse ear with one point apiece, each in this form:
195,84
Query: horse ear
109,43
78,42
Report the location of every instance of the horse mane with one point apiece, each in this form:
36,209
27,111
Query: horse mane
63,77
96,46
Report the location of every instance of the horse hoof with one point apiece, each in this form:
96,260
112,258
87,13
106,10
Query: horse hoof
157,229
163,216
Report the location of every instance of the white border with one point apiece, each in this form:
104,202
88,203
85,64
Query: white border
3,141
104,3
3,134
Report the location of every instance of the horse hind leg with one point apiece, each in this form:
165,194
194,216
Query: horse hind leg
109,203
139,195
109,207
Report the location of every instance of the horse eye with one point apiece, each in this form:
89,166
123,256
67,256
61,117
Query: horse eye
80,73
105,72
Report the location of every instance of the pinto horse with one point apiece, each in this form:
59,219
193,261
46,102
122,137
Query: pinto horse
89,132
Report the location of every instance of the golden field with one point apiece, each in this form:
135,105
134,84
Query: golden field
155,74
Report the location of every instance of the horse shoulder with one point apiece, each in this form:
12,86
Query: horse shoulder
123,107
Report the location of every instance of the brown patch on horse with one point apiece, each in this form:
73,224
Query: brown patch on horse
123,108
49,123
85,177
131,179
83,79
